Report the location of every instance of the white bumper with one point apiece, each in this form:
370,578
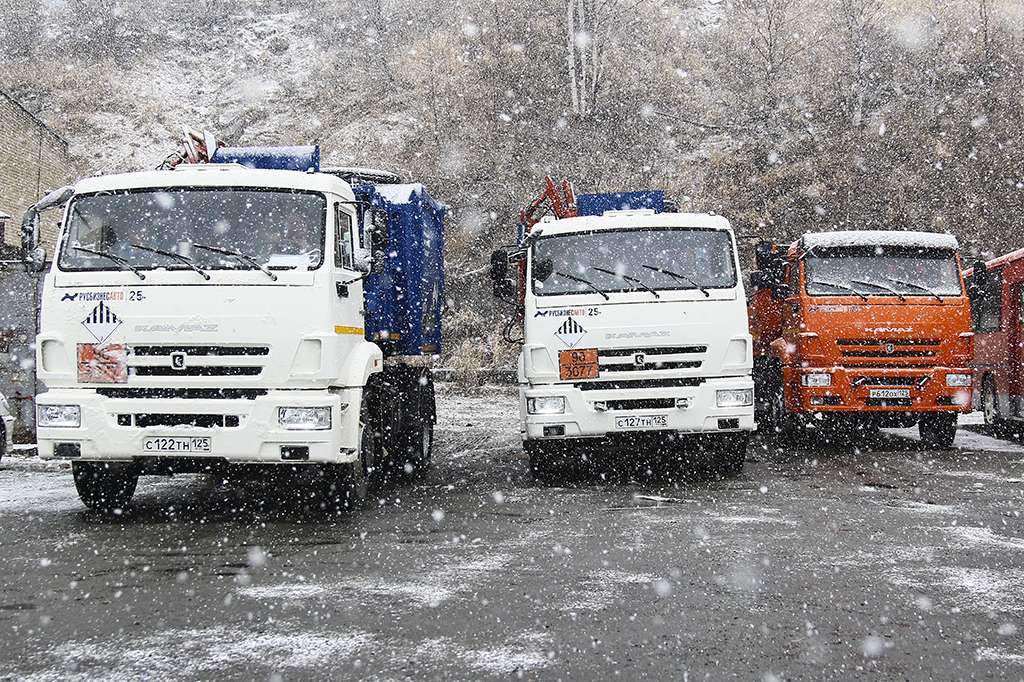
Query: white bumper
258,438
8,432
581,420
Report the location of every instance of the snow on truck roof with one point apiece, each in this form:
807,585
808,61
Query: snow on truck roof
619,220
904,238
216,175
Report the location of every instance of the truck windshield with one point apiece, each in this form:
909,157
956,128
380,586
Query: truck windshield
882,271
647,259
280,230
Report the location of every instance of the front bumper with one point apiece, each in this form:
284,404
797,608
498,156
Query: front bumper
258,438
851,390
581,420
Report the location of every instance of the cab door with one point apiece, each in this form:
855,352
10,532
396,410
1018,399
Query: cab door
1015,350
347,292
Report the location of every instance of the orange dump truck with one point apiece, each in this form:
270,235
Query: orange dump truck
866,328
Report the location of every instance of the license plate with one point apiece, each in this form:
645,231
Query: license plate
891,393
580,363
655,421
176,444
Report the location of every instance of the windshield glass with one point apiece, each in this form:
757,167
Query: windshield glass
878,271
278,229
637,259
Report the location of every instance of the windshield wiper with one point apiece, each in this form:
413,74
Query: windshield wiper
584,281
919,287
175,256
249,260
880,286
628,279
125,265
682,278
837,285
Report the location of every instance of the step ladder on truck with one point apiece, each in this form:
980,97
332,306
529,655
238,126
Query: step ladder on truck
241,308
634,330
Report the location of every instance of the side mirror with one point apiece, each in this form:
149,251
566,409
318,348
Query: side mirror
34,255
542,269
502,285
781,291
756,279
979,274
362,262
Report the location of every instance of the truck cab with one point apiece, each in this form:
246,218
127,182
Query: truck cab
215,315
867,328
634,329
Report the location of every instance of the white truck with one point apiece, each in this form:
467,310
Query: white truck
234,314
634,330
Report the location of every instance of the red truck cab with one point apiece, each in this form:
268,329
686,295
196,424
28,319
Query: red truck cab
870,328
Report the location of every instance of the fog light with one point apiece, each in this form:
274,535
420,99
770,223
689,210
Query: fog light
817,380
304,418
683,403
735,397
545,405
59,416
554,431
600,406
958,380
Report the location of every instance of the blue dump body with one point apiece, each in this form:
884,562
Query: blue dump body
304,158
597,204
405,290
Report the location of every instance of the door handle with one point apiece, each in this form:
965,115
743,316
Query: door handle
342,289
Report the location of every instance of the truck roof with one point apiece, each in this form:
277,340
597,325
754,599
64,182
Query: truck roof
216,175
905,238
624,220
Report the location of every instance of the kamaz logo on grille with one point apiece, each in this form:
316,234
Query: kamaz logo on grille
890,348
178,360
639,359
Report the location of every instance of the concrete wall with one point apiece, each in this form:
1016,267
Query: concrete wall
33,160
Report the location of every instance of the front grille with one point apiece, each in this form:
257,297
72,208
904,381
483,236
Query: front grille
661,350
889,402
200,351
894,342
654,358
687,364
908,350
887,381
639,383
203,421
201,371
641,404
183,393
888,354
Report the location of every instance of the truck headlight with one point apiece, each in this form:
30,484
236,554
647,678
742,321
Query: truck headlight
958,380
816,380
546,405
304,418
59,416
735,397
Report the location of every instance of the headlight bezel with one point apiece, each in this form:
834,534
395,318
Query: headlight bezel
740,397
60,416
816,380
556,405
305,418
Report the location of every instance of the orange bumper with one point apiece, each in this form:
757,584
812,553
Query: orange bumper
874,389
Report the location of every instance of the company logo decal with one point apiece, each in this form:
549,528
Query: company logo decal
101,323
570,333
568,312
133,295
889,330
890,348
178,360
639,359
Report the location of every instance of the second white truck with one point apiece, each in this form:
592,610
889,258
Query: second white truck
634,330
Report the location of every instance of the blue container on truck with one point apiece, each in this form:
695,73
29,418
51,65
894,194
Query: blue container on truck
404,292
597,204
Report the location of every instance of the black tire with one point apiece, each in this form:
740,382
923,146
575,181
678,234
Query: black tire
105,486
548,461
990,402
938,429
347,486
420,438
731,455
3,442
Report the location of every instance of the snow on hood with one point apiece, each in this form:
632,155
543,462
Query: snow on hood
905,238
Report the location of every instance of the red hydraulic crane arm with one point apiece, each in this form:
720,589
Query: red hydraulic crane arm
562,201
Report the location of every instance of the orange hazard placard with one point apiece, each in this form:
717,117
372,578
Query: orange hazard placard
579,363
102,364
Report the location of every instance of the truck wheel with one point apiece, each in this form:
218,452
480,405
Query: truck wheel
348,485
547,460
732,455
989,402
105,486
938,429
3,442
420,447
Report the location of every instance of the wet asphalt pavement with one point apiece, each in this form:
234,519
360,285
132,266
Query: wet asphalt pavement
884,561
